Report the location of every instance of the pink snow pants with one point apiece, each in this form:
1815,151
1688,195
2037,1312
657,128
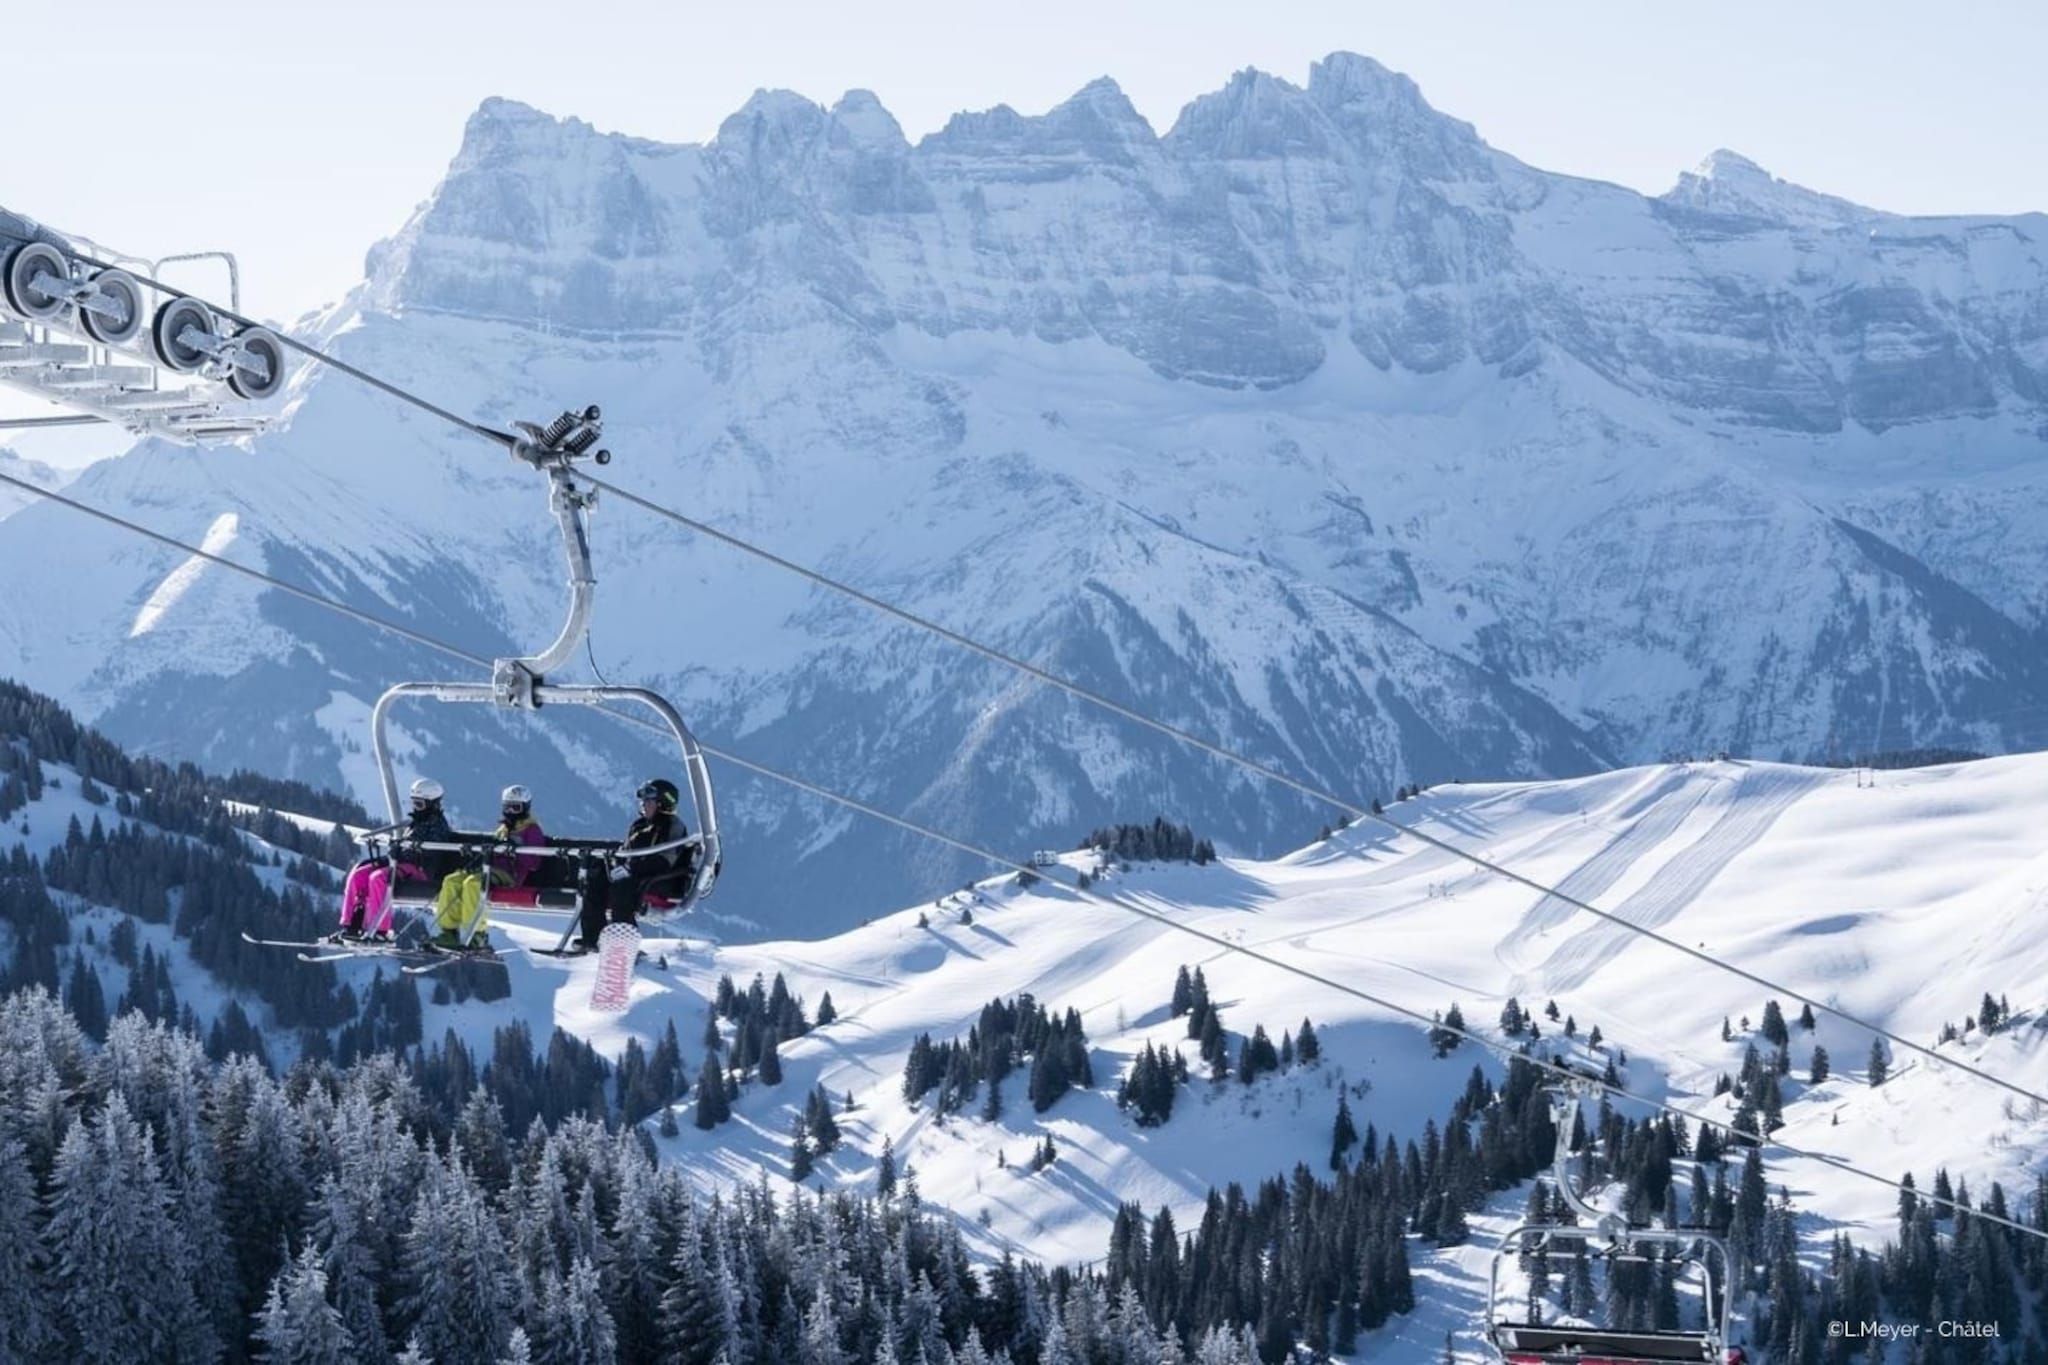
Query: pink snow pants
366,899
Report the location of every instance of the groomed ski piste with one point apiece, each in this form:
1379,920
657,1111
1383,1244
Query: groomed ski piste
1901,896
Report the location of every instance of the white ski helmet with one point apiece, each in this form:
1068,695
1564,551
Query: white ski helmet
426,789
515,795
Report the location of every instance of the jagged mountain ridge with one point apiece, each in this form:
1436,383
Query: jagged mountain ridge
1316,424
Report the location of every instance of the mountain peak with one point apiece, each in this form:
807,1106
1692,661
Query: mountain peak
861,115
1100,115
1730,184
499,123
1097,122
1349,78
1254,115
1104,98
779,108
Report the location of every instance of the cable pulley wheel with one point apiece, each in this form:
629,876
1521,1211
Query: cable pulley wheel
172,321
121,296
262,344
26,270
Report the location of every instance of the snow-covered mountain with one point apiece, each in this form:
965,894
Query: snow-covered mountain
12,499
1903,897
1315,424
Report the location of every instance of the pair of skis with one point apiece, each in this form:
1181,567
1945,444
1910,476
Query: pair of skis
414,959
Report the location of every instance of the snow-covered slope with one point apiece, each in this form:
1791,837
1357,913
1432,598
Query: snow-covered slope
1902,897
12,499
1315,424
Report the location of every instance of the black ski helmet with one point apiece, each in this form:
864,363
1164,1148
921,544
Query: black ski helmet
661,791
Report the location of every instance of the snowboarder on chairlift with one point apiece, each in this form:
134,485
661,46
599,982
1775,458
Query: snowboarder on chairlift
366,897
617,894
460,909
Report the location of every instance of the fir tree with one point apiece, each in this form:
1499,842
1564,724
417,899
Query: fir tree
119,1266
1773,1027
1879,1064
1818,1071
1342,1134
1307,1046
885,1170
575,1326
298,1326
801,1160
712,1108
25,1326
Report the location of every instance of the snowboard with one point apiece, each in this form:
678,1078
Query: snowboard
617,947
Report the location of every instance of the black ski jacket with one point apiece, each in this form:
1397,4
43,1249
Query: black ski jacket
663,828
429,827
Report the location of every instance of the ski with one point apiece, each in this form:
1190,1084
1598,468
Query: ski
332,951
443,956
424,957
248,937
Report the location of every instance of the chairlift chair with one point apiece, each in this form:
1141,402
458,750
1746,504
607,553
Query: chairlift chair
521,684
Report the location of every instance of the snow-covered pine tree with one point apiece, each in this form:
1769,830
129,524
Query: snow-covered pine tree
801,1158
1343,1133
711,1108
575,1326
1773,1026
25,1325
885,1169
121,1276
298,1326
454,1267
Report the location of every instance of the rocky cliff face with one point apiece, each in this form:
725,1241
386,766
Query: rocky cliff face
1314,424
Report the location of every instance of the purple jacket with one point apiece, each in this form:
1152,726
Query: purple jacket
518,869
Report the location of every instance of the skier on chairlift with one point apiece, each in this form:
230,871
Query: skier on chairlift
617,895
460,911
366,897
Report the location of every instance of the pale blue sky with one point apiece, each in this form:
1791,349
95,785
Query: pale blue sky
296,136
